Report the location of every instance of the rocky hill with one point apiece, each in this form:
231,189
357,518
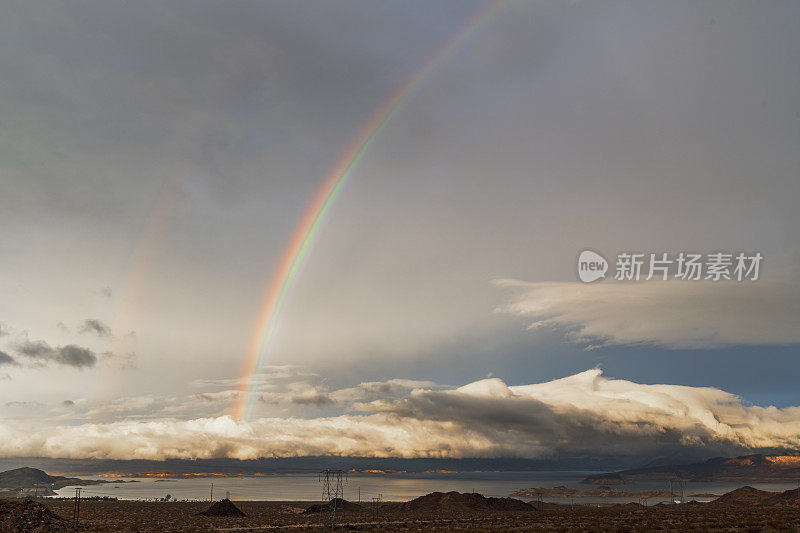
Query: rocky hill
25,482
743,496
24,477
464,502
336,504
224,507
28,516
750,497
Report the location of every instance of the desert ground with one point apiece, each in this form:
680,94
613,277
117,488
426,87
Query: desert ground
131,516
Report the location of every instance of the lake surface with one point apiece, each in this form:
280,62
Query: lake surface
393,487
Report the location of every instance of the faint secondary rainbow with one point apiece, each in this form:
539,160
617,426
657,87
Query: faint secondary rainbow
132,281
309,225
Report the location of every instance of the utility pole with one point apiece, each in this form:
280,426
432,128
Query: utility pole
212,493
539,500
76,508
676,497
376,503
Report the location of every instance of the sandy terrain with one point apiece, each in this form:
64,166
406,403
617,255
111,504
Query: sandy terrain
180,516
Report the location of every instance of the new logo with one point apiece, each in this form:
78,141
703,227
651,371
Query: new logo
591,266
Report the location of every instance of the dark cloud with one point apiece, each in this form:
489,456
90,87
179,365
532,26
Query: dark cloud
6,359
76,356
268,400
126,361
318,399
68,403
36,349
97,327
70,355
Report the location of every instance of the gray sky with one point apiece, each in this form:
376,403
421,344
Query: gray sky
156,156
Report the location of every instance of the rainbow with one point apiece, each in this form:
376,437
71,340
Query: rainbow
309,225
133,276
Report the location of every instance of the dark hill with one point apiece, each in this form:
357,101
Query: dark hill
224,507
338,504
750,497
27,479
789,498
458,501
23,516
24,477
743,497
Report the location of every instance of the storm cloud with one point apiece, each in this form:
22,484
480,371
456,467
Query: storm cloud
586,413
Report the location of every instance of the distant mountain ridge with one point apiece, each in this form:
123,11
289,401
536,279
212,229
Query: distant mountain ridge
756,467
27,481
313,464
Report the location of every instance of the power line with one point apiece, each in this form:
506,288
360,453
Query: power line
76,507
332,491
376,503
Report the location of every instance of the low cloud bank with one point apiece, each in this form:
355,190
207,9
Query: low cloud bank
581,414
672,314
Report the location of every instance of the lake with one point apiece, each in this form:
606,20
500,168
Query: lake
392,487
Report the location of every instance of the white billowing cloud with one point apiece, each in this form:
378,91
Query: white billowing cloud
304,388
374,390
582,414
673,314
363,392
